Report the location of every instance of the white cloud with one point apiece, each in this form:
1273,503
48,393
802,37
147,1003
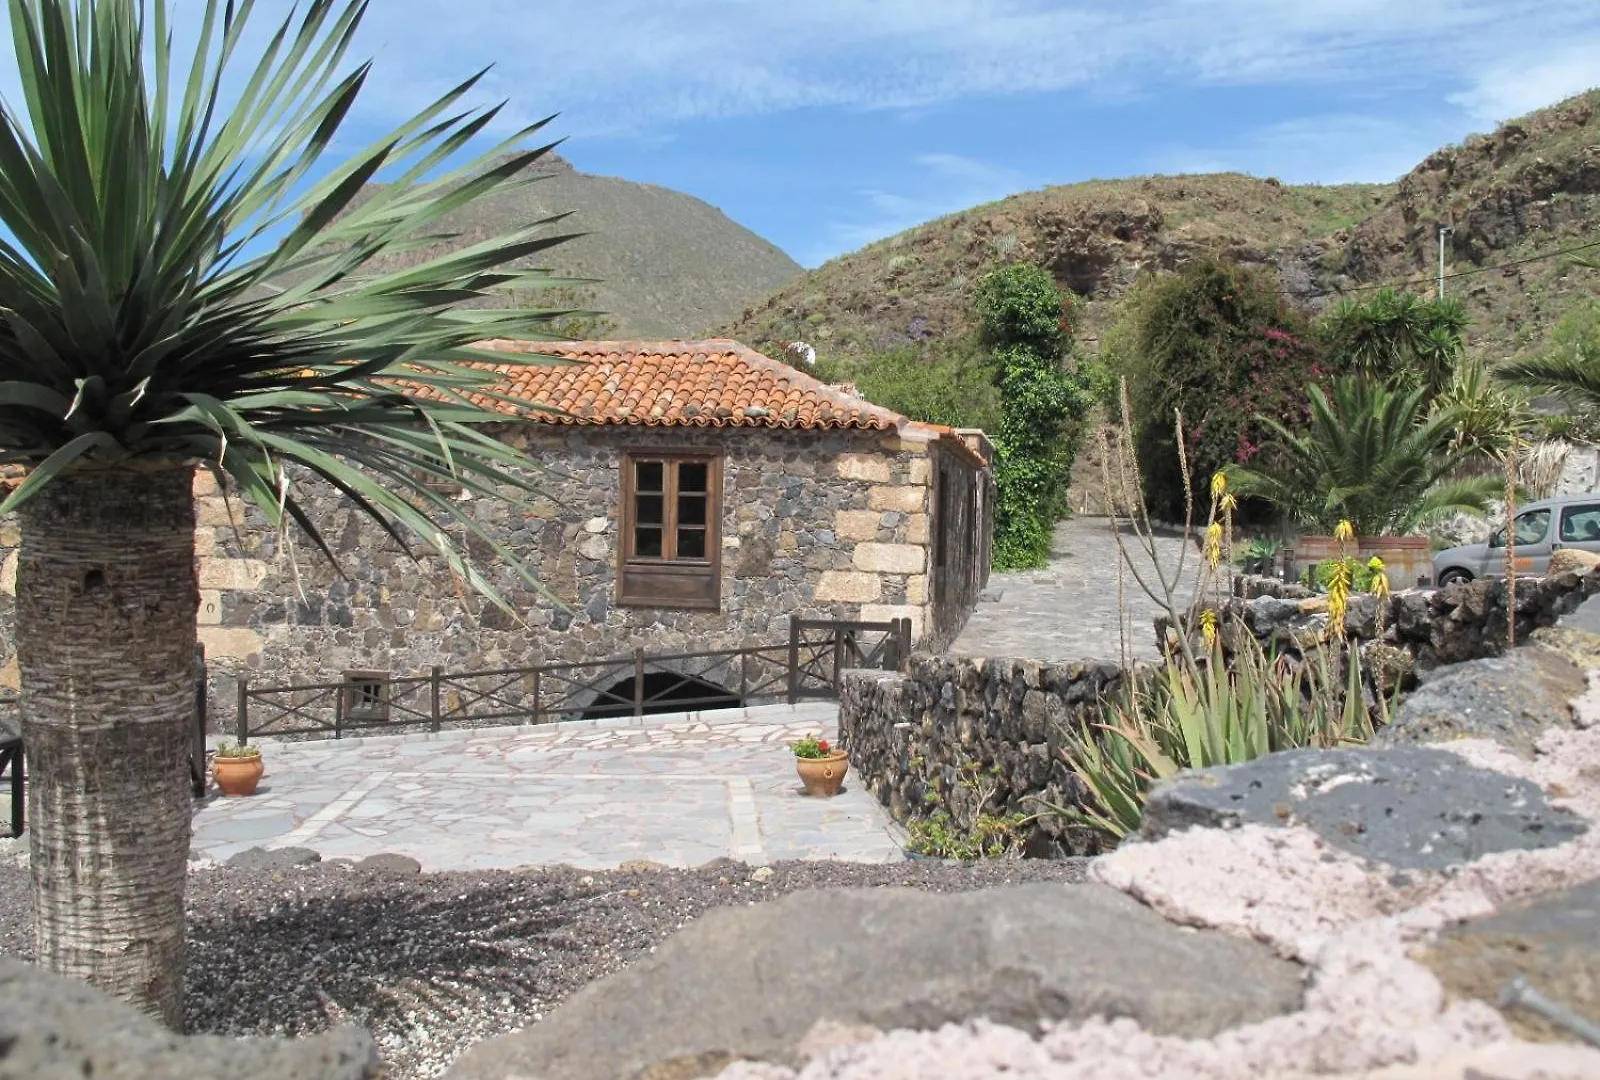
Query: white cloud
938,184
632,65
1509,90
636,66
1315,149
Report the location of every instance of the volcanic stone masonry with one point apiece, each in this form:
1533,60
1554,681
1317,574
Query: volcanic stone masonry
833,524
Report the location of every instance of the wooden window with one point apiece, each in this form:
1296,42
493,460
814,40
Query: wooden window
671,546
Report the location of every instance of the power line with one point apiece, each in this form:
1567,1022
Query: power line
1475,270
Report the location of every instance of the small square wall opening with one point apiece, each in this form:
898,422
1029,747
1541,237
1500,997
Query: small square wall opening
366,695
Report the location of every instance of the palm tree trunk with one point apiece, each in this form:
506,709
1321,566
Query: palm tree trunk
106,608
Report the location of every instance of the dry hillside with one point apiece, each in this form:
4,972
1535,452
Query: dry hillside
666,264
1531,187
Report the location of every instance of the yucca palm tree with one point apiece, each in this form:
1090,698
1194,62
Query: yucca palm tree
1372,455
1398,336
182,285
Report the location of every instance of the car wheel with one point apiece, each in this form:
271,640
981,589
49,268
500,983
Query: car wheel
1454,577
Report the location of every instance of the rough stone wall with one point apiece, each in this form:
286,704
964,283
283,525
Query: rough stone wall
980,735
1432,626
975,736
963,501
814,524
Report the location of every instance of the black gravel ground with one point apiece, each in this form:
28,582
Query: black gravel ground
433,963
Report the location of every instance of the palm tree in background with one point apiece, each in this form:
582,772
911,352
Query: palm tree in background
182,286
1570,375
1373,455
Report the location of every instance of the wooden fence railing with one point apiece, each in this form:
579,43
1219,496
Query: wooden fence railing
13,768
806,667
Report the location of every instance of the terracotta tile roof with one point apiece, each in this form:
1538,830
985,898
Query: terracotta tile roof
714,383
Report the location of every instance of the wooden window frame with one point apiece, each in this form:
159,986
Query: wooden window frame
667,581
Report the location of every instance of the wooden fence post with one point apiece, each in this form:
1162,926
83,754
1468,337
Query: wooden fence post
794,660
538,705
433,692
242,721
638,683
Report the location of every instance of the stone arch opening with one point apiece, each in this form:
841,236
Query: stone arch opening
664,692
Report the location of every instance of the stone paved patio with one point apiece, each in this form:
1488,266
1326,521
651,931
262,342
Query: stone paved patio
1068,610
680,790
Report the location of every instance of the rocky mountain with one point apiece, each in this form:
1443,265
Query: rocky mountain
1530,188
665,264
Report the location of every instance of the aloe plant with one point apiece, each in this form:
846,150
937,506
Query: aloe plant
1218,711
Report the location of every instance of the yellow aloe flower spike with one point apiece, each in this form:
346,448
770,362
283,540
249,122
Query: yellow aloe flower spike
1380,578
1213,544
1344,532
1229,502
1219,484
1208,627
1339,582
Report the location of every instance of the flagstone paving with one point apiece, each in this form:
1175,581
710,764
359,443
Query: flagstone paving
1069,610
680,789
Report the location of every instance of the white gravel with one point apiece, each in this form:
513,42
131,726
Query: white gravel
1370,1010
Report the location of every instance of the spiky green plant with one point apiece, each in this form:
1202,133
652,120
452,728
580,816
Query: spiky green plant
184,281
1217,710
1399,336
1371,455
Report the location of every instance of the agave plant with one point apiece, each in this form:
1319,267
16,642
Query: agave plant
1372,455
185,283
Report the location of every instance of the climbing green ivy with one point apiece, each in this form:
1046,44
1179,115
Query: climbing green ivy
1026,322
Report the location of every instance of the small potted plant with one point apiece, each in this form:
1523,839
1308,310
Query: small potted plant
237,769
820,764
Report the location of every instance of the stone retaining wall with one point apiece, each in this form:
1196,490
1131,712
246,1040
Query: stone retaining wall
1433,626
975,736
984,736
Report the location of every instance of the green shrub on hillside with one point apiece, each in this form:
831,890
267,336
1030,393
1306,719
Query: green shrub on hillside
1025,322
935,382
1219,344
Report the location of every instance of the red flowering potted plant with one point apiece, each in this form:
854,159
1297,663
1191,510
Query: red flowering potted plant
821,765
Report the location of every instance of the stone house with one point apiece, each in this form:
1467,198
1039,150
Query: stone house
693,496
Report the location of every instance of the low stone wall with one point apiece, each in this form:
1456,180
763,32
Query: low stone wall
975,736
1432,626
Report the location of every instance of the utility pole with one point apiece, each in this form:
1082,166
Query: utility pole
1444,231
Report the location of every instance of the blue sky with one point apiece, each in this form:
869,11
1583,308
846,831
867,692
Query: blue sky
825,124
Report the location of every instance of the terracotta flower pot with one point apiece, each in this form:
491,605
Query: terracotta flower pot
237,775
823,776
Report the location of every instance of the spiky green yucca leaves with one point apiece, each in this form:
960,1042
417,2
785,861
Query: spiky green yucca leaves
1371,455
1399,336
184,281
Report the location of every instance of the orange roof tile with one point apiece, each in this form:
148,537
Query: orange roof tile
714,383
